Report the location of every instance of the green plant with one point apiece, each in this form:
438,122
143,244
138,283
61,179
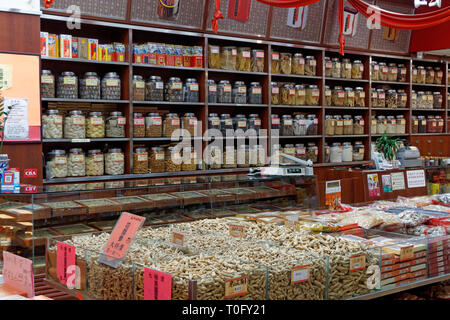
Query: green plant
3,113
388,146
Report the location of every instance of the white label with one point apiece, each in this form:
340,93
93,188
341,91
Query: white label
60,160
112,82
215,49
159,156
139,121
275,90
291,92
234,52
212,88
194,87
246,54
415,178
275,56
175,122
177,86
259,54
227,88
256,91
398,181
121,121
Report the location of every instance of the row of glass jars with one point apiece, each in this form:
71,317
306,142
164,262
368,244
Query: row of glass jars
393,99
347,69
239,93
76,163
299,150
345,97
344,125
164,159
345,152
153,125
429,124
296,125
380,71
428,75
236,58
294,94
90,86
243,156
226,122
288,63
426,100
75,125
389,125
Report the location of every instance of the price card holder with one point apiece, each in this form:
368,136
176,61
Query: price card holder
18,273
237,231
157,285
236,287
300,274
65,257
121,238
178,238
358,262
406,253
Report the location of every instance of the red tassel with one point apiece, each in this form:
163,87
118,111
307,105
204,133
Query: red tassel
217,15
341,27
48,3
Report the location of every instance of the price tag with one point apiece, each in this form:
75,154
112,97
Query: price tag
361,68
177,85
259,54
291,92
394,71
403,98
65,257
227,88
357,262
351,94
18,273
242,124
212,88
194,87
384,69
175,122
275,121
98,158
327,93
300,274
142,157
139,121
257,122
246,54
328,65
242,89
58,119
256,91
376,67
406,253
313,63
61,160
237,231
403,71
215,49
159,85
178,239
362,94
192,121
159,156
77,158
301,93
275,56
112,82
118,157
440,74
157,285
236,287
287,122
315,93
228,122
69,81
215,122
91,82
140,84
234,52
78,121
47,79
381,96
96,121
341,95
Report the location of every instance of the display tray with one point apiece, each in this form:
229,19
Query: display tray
266,192
217,195
65,208
151,220
10,204
177,218
100,205
28,212
191,197
73,229
133,202
163,199
106,225
6,219
242,193
199,215
39,238
220,213
244,209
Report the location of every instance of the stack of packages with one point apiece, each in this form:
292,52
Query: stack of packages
438,257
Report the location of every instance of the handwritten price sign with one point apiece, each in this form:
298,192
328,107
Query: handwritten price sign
65,257
157,285
18,273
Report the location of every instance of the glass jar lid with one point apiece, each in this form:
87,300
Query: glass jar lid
52,112
95,114
114,150
190,115
94,151
76,113
76,151
115,114
140,150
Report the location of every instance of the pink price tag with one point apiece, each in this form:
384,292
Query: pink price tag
65,257
157,285
18,273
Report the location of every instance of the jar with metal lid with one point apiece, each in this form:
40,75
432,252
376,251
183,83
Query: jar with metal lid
171,124
240,122
381,98
421,100
300,151
224,92
339,129
95,165
299,125
254,123
429,100
189,159
242,156
229,158
391,99
312,95
52,124
140,161
114,162
312,152
336,152
402,71
358,151
440,124
226,124
275,123
401,124
90,86
56,165
153,125
312,125
349,98
75,125
346,69
357,69
438,75
212,91
67,86
348,124
154,89
393,72
47,84
358,125
214,157
257,156
286,62
360,97
402,98
329,67
288,94
138,88
138,125
373,125
300,95
347,152
326,153
431,124
288,149
336,68
243,59
414,73
421,74
254,94
384,71
391,125
213,121
310,66
173,159
95,125
414,124
298,64
115,125
189,123
330,125
111,86
173,90
191,90
338,96
257,63
413,100
275,62
213,57
373,97
422,124
157,162
374,71
429,77
274,93
287,126
437,100
228,58
327,92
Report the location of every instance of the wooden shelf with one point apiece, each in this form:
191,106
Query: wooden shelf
72,60
428,110
237,105
392,135
390,109
237,72
390,82
345,79
168,103
348,136
295,107
281,75
143,65
339,164
347,108
429,134
299,137
87,140
428,85
83,100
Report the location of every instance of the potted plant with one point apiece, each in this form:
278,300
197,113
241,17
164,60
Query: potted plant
4,112
388,146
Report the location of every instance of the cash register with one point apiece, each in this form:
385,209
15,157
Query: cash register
409,157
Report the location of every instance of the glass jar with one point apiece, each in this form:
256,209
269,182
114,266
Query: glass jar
414,74
402,98
275,123
286,62
75,125
374,71
213,121
349,98
173,90
310,66
111,86
212,91
56,165
275,93
242,156
336,68
401,124
300,95
140,161
288,149
95,125
115,125
391,125
224,92
414,124
157,162
153,125
327,96
312,125
373,97
288,94
214,157
254,93
300,151
138,125
358,151
393,72
429,76
257,64
213,57
440,124
384,71
312,152
189,159
358,125
228,58
347,152
338,96
287,126
243,59
329,67
391,99
413,99
348,124
431,124
402,71
421,74
173,159
47,84
339,129
52,125
357,69
437,100
326,153
254,123
346,69
438,75
229,158
381,97
421,100
299,125
330,125
422,124
430,99
360,97
191,90
226,124
67,86
95,165
298,64
275,62
154,89
171,124
312,95
114,162
240,122
189,124
336,152
90,86
138,88
373,125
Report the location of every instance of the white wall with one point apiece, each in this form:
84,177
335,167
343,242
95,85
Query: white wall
26,5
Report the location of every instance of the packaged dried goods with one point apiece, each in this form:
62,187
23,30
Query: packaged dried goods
56,165
275,62
402,98
384,71
298,64
348,125
440,124
339,130
47,84
414,74
357,69
212,91
414,124
312,152
153,125
329,67
240,123
374,71
239,93
67,86
346,69
214,57
229,158
358,125
214,157
312,95
300,95
138,88
275,93
114,162
438,75
95,125
52,125
254,124
391,99
391,125
287,94
338,96
173,159
360,97
328,96
157,161
429,78
95,163
228,58
381,124
189,159
76,166
286,126
154,89
401,124
191,90
330,125
358,151
286,62
111,86
226,124
299,125
312,125
138,125
115,125
349,99
381,98
140,161
189,123
336,153
171,124
347,152
224,92
437,100
393,72
90,86
257,64
173,90
257,156
336,68
310,66
74,125
243,156
254,94
402,72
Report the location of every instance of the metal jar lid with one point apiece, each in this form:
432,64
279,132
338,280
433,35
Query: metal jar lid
137,115
189,115
76,151
90,74
140,150
155,78
76,113
153,114
52,112
255,84
46,73
68,74
115,114
254,115
95,114
138,78
172,115
112,75
225,116
174,79
57,152
94,151
114,150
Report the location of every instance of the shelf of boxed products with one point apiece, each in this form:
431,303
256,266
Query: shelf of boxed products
77,60
84,100
168,103
142,65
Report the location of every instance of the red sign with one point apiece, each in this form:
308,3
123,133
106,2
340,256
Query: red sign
30,189
65,257
157,285
30,173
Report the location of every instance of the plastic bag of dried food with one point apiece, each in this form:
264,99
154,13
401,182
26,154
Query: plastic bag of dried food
416,202
363,219
436,207
412,218
426,230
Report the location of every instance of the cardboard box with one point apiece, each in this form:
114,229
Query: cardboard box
387,256
418,267
65,46
83,48
44,44
402,265
397,278
418,261
75,48
420,254
92,49
418,273
389,262
387,268
53,45
436,274
434,260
